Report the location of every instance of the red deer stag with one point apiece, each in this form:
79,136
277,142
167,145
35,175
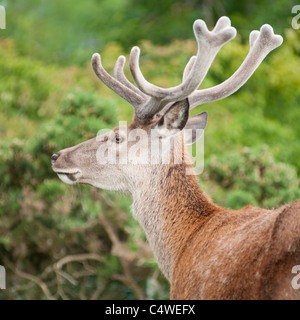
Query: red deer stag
204,250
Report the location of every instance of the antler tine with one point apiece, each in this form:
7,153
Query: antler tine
145,86
120,76
141,112
122,90
261,44
209,43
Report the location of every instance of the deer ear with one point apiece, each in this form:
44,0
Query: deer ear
194,128
174,120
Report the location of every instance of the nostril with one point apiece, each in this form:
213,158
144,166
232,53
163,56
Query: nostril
54,157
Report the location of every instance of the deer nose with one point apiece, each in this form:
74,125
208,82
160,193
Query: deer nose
54,157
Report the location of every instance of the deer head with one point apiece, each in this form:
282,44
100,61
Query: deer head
160,110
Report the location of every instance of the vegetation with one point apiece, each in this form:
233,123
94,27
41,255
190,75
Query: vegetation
77,242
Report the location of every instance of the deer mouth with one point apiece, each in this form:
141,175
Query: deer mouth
69,177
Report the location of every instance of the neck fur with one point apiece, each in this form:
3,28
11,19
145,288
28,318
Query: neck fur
169,208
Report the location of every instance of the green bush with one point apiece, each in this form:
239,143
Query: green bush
237,199
25,83
67,31
252,177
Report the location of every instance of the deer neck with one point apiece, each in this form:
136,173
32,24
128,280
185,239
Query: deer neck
169,206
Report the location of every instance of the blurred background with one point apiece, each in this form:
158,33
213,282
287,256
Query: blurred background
77,242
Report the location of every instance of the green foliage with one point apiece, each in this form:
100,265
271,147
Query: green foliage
238,198
67,31
27,83
252,176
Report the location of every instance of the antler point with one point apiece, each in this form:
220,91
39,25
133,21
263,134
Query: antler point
223,22
136,49
266,28
122,59
96,57
199,25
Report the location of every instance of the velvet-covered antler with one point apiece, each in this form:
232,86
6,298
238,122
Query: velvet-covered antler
261,44
148,99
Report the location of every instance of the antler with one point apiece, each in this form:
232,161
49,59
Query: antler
148,99
123,91
261,44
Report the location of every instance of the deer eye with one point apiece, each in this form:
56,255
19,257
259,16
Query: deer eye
117,139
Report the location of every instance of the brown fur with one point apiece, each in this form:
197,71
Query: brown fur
228,254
